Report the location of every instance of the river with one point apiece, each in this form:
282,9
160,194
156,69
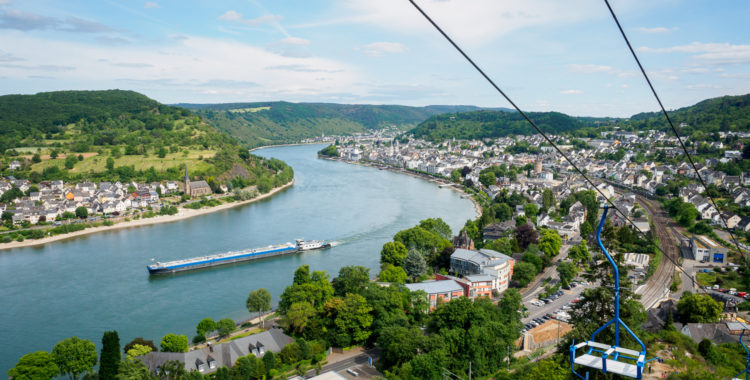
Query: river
85,286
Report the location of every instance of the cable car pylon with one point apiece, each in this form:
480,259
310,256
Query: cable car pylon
746,372
604,357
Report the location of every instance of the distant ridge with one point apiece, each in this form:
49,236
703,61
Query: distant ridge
727,113
278,122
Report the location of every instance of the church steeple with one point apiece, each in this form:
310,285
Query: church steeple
187,181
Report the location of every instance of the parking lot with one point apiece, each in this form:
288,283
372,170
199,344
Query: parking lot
557,305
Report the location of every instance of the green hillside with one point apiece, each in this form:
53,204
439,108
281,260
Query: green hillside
267,123
116,135
727,113
492,124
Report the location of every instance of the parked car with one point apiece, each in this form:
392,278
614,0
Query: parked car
716,287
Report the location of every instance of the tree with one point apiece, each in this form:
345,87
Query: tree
225,326
110,164
74,356
546,369
548,199
82,212
567,271
36,158
174,343
698,308
456,176
172,370
391,273
437,225
421,239
525,235
503,212
269,361
351,279
530,210
298,316
162,152
351,319
133,369
550,242
140,341
580,253
487,179
533,258
204,326
524,273
248,367
53,155
393,252
302,275
259,301
138,350
110,356
414,264
38,365
70,161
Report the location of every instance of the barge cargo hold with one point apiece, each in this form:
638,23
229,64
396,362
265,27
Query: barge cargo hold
234,257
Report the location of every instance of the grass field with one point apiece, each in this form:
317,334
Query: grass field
726,280
96,163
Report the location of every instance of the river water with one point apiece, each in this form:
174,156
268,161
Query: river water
88,285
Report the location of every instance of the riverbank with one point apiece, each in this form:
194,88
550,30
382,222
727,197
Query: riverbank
439,181
282,145
182,214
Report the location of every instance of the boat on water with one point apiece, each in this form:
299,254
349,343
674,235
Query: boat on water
235,256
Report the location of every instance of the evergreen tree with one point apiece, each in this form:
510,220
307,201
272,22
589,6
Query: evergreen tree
110,355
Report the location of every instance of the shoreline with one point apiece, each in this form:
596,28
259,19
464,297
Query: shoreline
182,214
280,145
451,185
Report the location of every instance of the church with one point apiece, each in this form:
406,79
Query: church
196,189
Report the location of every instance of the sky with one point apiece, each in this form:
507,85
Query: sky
547,55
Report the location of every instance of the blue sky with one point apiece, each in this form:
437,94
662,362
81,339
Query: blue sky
548,55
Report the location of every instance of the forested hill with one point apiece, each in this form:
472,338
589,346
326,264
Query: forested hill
727,113
483,124
266,123
115,135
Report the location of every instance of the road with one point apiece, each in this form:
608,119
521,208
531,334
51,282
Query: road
529,293
657,286
358,363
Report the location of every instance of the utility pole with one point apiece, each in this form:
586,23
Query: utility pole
470,370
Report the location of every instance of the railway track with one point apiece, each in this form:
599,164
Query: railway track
657,286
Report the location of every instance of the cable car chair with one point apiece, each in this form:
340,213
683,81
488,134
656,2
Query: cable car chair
604,357
746,372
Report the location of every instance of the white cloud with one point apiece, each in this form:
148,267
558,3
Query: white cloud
377,49
196,66
658,29
588,68
234,16
715,53
475,22
151,5
571,92
294,41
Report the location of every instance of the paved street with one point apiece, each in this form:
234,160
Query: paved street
529,293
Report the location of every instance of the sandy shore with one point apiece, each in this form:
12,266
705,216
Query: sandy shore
182,214
477,206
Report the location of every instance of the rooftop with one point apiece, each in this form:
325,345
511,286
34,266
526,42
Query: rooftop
430,287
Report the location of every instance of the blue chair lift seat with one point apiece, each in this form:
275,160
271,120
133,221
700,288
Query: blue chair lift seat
604,357
604,363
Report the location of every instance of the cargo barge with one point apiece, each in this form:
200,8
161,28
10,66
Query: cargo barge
235,257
